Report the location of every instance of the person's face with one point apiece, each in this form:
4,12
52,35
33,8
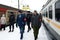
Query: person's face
34,13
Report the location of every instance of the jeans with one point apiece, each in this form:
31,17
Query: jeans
21,31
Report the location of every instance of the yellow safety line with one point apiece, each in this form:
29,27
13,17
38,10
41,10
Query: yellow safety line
56,25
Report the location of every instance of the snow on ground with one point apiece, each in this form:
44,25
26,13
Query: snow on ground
5,35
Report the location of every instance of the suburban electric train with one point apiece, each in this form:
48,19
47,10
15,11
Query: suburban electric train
7,10
51,16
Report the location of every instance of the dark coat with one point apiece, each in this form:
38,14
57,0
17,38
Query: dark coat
36,20
12,19
28,17
20,20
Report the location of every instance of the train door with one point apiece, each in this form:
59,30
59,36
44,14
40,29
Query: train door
57,10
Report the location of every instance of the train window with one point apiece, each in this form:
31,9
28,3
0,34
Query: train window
50,12
46,14
1,13
43,14
57,11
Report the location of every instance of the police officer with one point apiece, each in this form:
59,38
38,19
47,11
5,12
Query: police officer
21,23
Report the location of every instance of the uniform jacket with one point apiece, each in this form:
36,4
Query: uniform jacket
20,20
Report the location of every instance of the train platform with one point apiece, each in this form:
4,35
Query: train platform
5,35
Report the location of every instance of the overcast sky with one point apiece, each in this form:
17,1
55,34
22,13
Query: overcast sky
33,4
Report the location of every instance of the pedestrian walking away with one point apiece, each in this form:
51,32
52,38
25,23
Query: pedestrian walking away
11,21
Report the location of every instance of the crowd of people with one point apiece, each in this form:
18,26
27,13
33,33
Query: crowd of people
23,18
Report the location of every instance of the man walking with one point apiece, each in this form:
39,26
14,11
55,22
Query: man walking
21,23
28,20
11,21
36,23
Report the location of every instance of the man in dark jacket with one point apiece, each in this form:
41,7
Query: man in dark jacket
28,20
21,23
11,21
36,23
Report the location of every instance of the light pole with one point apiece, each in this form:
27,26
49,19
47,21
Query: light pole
18,5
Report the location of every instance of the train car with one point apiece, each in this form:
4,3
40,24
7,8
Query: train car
8,14
7,10
51,16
